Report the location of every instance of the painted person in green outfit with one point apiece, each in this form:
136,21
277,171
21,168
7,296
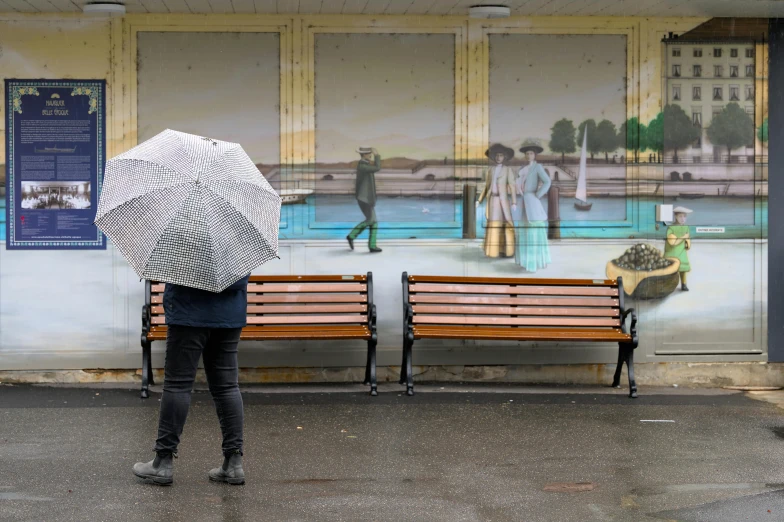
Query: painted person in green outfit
365,193
679,242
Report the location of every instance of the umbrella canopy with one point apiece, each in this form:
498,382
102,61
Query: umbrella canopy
189,210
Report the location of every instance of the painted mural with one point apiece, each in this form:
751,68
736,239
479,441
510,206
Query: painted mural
706,136
234,100
566,93
384,132
568,170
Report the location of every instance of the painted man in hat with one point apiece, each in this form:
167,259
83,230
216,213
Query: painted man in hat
679,242
365,192
499,186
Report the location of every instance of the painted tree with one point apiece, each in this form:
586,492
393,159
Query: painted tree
679,130
762,132
731,128
608,138
654,135
562,137
631,137
593,145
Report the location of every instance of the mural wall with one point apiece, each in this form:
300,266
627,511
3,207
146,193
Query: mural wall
551,142
394,93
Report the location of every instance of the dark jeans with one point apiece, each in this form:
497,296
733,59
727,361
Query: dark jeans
184,346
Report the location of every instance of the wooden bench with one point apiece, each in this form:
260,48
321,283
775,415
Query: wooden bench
490,309
328,307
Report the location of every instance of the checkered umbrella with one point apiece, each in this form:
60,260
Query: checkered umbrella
189,210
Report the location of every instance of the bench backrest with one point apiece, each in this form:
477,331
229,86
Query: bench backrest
513,302
306,301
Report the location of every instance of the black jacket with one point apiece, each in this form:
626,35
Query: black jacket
191,307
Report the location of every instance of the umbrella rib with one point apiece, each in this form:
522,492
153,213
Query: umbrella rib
115,207
264,239
155,164
157,243
182,143
266,194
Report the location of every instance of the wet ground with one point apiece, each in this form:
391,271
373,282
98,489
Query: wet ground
452,453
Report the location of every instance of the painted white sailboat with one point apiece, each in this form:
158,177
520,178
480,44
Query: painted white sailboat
581,195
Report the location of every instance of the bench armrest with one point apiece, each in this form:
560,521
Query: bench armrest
372,318
633,326
146,320
408,316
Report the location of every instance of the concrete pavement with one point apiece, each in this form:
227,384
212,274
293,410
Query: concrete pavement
449,453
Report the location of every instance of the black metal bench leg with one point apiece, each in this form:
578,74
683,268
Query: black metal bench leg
367,366
146,370
409,370
149,368
619,367
630,369
372,367
403,363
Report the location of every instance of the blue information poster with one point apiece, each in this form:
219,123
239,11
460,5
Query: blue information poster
55,157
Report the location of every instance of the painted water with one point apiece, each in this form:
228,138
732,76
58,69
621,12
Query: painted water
709,211
738,214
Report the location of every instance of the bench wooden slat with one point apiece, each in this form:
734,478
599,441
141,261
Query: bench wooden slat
303,309
514,290
254,333
515,321
291,319
510,310
521,334
308,319
307,298
511,281
299,328
494,300
308,309
306,287
307,278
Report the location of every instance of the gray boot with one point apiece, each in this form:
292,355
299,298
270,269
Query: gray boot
231,471
159,470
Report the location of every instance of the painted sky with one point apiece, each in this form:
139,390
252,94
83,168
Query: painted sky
394,92
535,80
222,85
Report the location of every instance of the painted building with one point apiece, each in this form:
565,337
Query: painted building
302,90
703,77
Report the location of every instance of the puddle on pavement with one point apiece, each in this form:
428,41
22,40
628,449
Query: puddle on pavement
688,488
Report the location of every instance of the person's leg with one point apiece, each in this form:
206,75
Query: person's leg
184,345
683,282
221,367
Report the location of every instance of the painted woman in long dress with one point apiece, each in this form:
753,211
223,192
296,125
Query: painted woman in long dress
533,183
499,186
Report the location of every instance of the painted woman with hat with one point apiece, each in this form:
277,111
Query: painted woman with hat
499,185
532,252
678,242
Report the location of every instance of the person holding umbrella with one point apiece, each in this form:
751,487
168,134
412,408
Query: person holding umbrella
196,214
